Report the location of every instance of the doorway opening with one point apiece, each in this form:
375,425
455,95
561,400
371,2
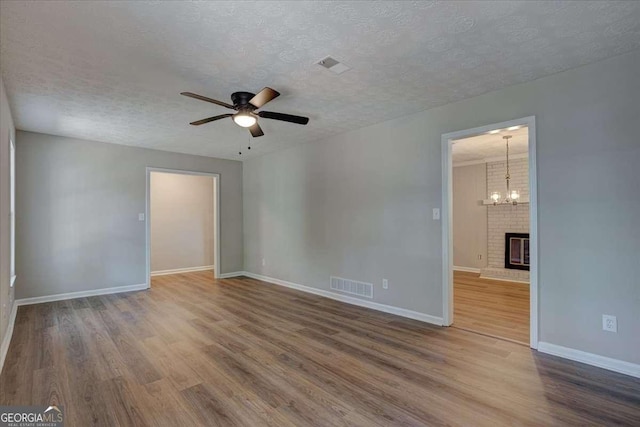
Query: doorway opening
490,231
182,233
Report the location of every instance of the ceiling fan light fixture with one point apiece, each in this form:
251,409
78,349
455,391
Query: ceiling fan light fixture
245,120
245,103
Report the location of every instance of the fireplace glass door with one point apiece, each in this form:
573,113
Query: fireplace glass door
516,251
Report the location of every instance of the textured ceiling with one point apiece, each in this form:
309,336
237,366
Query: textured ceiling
113,71
490,146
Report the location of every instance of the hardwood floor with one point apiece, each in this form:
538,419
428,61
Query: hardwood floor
491,307
195,351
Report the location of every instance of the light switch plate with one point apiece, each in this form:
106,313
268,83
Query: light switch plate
436,213
140,217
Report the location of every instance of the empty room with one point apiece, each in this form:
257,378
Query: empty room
319,213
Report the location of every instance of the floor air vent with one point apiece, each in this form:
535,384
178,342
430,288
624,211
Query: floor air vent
353,287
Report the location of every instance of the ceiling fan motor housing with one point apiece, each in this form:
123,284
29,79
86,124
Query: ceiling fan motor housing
241,100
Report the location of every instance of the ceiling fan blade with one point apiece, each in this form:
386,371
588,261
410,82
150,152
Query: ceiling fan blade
284,117
256,130
210,119
204,98
265,95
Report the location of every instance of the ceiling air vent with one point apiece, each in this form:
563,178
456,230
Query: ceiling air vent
353,287
332,65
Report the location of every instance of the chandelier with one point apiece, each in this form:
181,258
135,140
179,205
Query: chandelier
512,196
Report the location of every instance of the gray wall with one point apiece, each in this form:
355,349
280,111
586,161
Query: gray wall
470,216
6,292
359,204
181,221
79,201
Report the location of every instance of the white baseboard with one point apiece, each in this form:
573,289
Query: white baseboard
80,294
351,300
504,279
8,334
615,365
232,274
181,270
467,269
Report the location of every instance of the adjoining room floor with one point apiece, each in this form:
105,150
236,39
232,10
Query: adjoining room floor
492,307
195,351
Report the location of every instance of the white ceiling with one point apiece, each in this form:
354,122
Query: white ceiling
113,71
490,147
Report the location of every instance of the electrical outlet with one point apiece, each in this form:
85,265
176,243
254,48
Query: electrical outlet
609,323
385,284
264,262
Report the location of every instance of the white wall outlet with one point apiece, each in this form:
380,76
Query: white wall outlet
264,262
436,213
385,284
140,217
609,323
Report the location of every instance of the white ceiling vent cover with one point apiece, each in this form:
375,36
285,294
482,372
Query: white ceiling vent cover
333,65
353,287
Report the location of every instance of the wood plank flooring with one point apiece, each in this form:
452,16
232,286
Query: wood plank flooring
492,307
238,352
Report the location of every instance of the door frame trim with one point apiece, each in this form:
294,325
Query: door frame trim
447,219
216,216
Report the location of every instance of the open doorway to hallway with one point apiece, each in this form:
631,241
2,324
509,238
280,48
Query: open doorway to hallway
489,233
183,236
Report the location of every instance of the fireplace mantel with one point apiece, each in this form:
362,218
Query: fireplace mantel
523,200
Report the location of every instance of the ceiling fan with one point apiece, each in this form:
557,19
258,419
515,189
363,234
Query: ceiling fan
246,104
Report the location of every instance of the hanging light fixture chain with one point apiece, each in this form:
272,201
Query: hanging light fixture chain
508,175
511,196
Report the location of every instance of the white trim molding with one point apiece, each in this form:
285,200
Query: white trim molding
8,334
489,160
230,275
182,270
350,300
500,279
467,269
80,294
615,365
